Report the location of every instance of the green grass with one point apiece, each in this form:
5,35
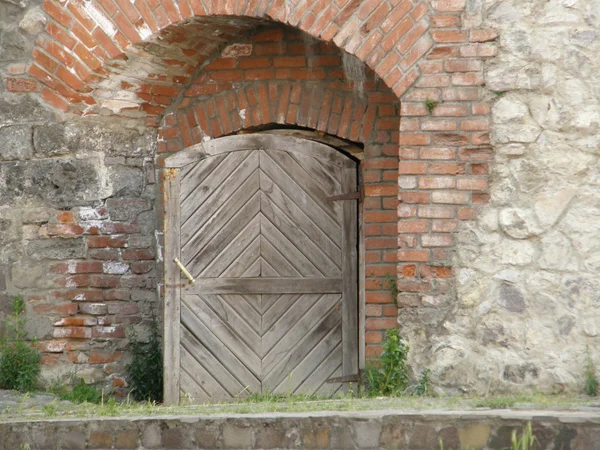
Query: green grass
268,403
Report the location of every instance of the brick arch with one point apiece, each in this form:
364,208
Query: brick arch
279,76
97,54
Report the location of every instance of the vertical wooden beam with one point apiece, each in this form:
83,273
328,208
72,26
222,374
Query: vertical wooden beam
361,276
172,307
349,275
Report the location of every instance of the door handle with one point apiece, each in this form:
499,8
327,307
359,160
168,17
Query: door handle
184,270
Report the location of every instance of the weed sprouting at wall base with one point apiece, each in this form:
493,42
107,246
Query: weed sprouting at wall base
390,377
146,368
20,362
590,386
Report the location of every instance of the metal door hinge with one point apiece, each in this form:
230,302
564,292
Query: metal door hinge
354,378
357,195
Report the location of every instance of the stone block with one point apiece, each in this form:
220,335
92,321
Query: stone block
151,436
79,137
126,439
207,434
99,439
366,433
125,181
15,143
14,45
237,436
20,109
270,435
123,209
55,182
176,438
56,249
474,436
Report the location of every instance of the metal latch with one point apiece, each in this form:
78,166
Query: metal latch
184,270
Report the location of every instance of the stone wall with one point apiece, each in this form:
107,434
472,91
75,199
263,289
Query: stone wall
528,301
477,430
77,225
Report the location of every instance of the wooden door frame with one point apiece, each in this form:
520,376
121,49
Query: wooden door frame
172,228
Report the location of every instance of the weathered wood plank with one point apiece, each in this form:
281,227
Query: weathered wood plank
325,232
205,381
197,233
198,259
306,314
310,366
260,285
217,370
191,389
233,250
228,313
171,310
222,339
200,206
329,180
293,180
276,260
323,370
243,261
349,277
282,360
248,307
328,265
285,250
276,308
243,142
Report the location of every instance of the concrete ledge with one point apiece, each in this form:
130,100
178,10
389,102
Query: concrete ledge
389,429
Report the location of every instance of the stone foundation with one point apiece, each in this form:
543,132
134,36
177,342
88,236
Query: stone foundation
490,430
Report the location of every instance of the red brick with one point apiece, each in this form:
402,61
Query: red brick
474,184
436,240
444,21
21,85
463,65
106,242
76,322
483,35
104,357
108,332
437,153
452,197
435,271
448,5
412,168
72,333
448,36
380,324
436,212
467,79
373,337
413,255
413,226
436,182
104,281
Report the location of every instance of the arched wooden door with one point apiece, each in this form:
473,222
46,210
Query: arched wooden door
273,307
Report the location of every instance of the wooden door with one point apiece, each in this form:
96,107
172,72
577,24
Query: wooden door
274,304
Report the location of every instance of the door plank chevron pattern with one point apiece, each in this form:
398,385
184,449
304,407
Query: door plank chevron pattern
252,215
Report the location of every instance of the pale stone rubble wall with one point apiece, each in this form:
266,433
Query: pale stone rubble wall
527,269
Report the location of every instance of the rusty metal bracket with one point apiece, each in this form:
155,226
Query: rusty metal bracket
356,195
354,378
